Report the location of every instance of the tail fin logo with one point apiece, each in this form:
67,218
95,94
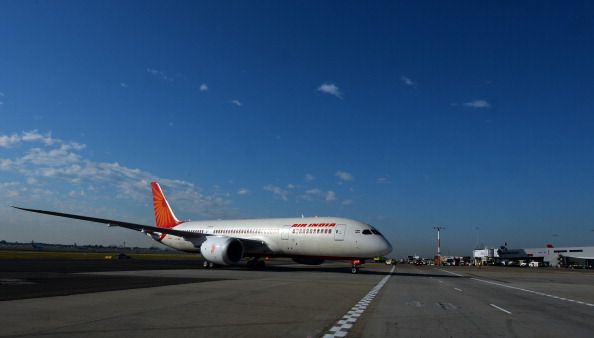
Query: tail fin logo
164,217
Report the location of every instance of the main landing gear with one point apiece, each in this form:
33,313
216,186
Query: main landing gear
208,265
256,263
356,264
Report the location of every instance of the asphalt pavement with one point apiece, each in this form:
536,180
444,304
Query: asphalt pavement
135,299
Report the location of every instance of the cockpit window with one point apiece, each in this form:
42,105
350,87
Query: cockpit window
372,229
366,232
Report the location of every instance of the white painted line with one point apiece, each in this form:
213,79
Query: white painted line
342,326
534,292
453,273
520,289
459,290
500,309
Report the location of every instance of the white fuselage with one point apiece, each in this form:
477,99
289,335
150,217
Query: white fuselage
325,237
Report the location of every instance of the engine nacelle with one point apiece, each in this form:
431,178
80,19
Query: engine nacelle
308,260
222,250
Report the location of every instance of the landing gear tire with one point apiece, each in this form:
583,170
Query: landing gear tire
355,269
205,264
208,265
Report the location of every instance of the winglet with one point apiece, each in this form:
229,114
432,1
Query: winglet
164,217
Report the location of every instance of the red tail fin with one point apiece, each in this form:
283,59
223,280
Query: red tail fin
164,217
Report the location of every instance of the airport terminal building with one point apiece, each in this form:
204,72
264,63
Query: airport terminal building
582,257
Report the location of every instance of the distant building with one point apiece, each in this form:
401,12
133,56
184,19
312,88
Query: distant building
582,256
484,256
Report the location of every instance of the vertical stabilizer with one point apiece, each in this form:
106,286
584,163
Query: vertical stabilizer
164,217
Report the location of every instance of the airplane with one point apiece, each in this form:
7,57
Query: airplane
306,240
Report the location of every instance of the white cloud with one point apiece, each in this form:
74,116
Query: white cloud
344,176
477,104
291,186
79,193
203,87
309,177
32,136
237,103
8,140
347,202
407,81
50,159
27,136
383,180
124,85
277,191
310,194
316,193
243,191
330,88
10,189
160,74
1,94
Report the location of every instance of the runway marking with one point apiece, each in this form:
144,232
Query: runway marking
459,290
453,273
534,292
521,289
341,328
500,309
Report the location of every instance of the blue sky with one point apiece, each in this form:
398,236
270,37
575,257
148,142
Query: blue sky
405,115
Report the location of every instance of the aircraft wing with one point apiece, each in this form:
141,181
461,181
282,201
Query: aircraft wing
251,245
109,222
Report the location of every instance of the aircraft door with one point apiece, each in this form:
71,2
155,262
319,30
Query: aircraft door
339,231
285,232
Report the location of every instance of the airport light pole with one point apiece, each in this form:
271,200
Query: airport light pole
438,228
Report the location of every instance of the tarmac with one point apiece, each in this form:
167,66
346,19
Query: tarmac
178,298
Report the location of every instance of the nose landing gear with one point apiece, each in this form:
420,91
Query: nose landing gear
356,263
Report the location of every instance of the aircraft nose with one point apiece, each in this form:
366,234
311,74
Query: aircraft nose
387,247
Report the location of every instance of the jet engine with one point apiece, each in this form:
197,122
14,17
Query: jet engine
222,250
308,260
